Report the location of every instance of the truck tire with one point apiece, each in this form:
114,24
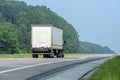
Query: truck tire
35,55
51,56
60,54
45,55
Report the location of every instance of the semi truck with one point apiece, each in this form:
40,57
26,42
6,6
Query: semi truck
47,40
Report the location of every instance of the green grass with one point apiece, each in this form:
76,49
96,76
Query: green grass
17,56
110,70
30,55
78,54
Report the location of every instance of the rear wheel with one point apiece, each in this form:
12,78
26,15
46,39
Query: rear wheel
60,54
35,55
51,56
45,55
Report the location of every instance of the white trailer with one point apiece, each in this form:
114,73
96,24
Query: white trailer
47,40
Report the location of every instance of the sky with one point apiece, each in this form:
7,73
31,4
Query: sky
96,21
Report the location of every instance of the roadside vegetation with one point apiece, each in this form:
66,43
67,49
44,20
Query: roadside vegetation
110,70
79,54
40,56
17,56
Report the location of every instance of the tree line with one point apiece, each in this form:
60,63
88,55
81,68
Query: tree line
16,18
87,47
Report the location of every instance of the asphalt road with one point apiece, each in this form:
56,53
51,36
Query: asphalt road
77,72
25,68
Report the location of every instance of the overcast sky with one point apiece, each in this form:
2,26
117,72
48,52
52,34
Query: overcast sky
96,21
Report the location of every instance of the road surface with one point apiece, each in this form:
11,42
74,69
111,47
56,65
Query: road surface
26,68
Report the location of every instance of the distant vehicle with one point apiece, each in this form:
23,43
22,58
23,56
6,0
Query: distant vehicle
47,40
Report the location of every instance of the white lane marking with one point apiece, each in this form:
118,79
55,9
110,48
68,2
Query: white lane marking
83,57
19,68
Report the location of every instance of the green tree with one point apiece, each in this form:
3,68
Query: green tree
8,34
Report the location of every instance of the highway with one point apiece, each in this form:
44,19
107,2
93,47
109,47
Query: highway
33,69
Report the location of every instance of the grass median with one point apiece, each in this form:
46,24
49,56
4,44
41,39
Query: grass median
15,56
110,70
40,56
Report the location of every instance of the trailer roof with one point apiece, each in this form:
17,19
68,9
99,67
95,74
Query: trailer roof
43,25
